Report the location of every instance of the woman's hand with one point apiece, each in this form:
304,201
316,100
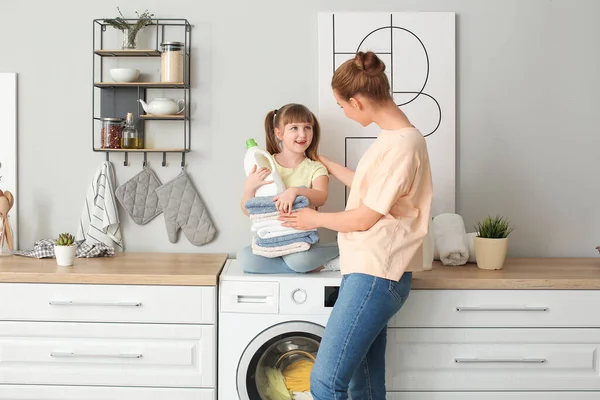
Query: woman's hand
325,161
256,179
284,201
304,219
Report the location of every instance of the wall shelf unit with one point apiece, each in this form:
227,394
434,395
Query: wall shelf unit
115,99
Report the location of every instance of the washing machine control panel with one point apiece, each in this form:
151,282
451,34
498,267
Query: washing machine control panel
308,296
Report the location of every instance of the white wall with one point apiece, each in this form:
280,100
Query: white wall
527,84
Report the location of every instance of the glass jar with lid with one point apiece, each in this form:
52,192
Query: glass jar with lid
112,131
171,62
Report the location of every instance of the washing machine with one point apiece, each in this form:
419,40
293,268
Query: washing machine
266,321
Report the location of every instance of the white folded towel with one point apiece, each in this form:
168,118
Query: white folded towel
272,228
451,239
471,243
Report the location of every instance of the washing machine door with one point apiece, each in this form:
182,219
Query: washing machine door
271,351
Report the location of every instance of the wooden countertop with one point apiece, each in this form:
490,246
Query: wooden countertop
122,269
518,273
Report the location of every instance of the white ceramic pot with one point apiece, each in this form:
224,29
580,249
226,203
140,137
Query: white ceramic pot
490,253
65,255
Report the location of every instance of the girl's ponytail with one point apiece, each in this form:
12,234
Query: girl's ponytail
272,143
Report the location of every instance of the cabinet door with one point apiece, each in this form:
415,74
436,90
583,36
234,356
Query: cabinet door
33,392
494,396
107,354
108,303
498,309
492,359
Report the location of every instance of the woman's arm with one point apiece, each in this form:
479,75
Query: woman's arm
356,220
341,173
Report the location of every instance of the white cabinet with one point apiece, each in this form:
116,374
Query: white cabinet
107,342
494,344
34,392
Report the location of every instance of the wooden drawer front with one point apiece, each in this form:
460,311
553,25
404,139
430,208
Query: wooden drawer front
107,303
492,359
498,308
494,396
107,354
35,392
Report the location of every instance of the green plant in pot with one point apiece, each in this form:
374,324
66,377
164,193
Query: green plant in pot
130,27
64,250
491,242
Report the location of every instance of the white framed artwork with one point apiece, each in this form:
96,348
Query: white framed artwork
418,49
8,144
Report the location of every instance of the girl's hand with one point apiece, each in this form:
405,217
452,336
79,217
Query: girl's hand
285,201
304,219
256,179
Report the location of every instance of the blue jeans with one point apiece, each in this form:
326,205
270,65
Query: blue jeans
305,261
351,357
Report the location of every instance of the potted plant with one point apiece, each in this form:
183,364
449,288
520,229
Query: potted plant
64,249
491,242
130,30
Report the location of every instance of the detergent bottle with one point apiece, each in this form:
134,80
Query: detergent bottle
262,159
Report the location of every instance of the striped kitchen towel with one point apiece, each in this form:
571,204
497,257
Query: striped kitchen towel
99,221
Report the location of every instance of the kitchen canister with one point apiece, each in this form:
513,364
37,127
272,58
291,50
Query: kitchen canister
171,62
112,131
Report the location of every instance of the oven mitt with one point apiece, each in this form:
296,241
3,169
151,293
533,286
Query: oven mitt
138,196
184,209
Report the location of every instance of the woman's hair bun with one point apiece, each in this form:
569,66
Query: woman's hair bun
369,63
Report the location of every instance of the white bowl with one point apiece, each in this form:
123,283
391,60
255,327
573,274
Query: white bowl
124,74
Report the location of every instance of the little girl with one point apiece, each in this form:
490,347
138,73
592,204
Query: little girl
293,139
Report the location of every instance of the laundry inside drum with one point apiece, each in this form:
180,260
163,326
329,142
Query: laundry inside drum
284,368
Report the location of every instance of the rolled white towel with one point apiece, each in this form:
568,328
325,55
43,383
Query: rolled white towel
451,239
471,243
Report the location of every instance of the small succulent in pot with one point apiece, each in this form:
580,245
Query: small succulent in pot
65,249
65,239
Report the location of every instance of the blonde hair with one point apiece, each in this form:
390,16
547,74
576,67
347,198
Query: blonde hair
289,114
364,74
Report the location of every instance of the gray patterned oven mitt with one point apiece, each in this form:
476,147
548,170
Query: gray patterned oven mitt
184,209
138,196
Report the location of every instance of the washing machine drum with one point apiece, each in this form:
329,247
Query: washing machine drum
277,363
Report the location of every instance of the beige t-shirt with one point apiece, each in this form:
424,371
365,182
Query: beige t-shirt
393,178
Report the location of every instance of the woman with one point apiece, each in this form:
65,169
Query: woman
381,232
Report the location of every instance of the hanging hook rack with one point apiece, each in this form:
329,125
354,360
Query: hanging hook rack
107,158
126,162
183,159
164,161
145,160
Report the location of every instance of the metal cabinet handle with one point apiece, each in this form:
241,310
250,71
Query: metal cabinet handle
95,304
69,354
524,360
525,308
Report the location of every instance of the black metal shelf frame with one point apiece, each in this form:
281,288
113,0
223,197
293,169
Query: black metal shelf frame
98,54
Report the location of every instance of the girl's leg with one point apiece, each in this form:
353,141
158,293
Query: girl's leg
254,264
313,258
353,337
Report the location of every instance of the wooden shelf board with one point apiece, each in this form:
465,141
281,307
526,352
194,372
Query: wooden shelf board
128,53
162,116
163,85
143,150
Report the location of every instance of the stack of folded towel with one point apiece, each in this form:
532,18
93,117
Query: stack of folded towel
272,239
